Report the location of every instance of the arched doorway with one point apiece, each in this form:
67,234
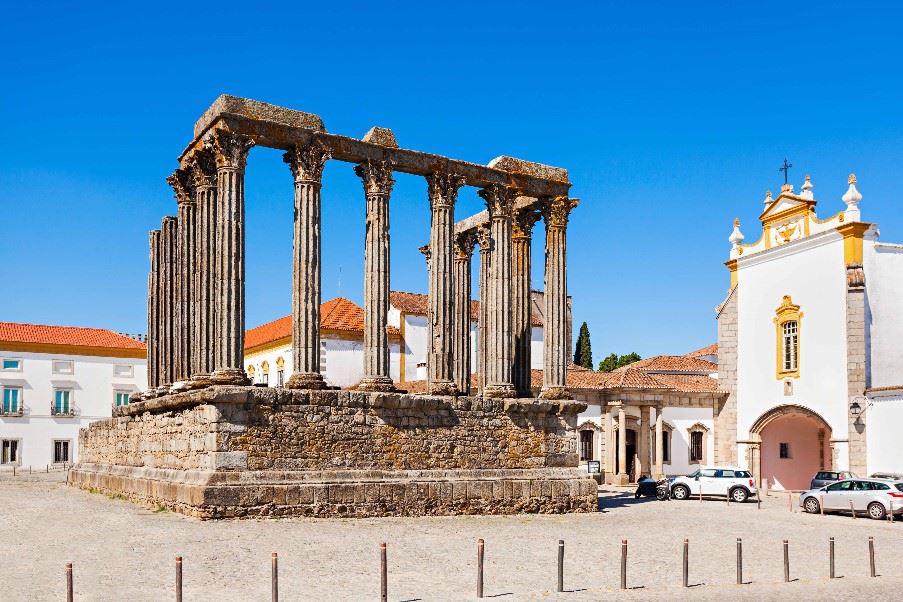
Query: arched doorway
795,444
631,449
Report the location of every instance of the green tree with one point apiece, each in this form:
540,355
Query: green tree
615,361
583,354
628,359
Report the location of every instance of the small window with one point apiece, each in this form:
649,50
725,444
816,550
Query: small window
280,378
265,378
62,402
122,398
785,451
791,345
9,451
13,365
586,445
63,367
60,451
696,446
126,370
12,404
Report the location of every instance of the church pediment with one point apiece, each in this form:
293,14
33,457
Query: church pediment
786,206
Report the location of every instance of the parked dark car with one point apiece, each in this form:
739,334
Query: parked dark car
826,477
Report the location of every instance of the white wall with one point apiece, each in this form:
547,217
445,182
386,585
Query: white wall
682,419
93,384
885,447
884,287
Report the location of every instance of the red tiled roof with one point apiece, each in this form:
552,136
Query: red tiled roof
671,363
418,304
11,332
337,314
707,350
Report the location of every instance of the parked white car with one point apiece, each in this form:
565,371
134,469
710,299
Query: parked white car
874,497
718,481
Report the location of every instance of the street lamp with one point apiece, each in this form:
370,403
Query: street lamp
857,409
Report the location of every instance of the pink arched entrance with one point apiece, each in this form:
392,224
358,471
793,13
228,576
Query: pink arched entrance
795,444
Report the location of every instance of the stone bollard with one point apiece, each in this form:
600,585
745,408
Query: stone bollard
480,558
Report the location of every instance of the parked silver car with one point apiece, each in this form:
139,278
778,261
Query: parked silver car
874,497
826,477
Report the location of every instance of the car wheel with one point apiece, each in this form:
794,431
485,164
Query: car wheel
739,495
877,511
811,505
680,492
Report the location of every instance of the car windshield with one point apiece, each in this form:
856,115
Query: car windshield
693,475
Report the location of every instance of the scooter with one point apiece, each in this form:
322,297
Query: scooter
663,490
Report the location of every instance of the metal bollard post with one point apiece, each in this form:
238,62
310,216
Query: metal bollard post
68,582
560,566
700,493
275,579
831,558
790,502
786,561
852,511
821,505
178,579
623,564
872,556
739,561
758,502
383,587
686,572
891,515
480,556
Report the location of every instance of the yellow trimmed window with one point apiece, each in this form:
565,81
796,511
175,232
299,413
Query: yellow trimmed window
787,334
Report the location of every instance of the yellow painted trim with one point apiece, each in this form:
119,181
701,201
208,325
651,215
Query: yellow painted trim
838,216
54,349
804,205
852,241
787,312
732,266
402,357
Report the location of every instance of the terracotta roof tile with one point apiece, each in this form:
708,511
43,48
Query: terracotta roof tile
671,363
707,350
11,332
337,315
418,304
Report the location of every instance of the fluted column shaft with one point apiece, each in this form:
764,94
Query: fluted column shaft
203,168
167,299
377,180
500,204
306,162
443,192
153,312
659,444
182,184
555,328
622,444
464,244
522,311
231,151
484,237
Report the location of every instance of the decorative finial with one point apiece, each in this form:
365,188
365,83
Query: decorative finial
806,191
787,187
736,222
851,179
768,199
736,236
852,198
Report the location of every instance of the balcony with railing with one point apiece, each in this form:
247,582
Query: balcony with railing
57,409
12,410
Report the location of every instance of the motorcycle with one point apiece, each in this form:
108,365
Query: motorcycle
663,489
647,487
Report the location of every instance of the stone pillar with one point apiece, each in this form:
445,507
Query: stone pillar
754,460
464,244
659,444
153,312
377,179
443,192
499,353
306,163
643,443
555,329
522,306
231,152
609,463
857,369
167,300
182,184
484,238
622,477
203,168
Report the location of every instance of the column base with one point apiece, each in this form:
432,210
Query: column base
378,384
306,380
500,391
443,387
200,381
555,393
162,390
230,376
621,479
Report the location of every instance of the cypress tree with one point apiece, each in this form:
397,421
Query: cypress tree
583,353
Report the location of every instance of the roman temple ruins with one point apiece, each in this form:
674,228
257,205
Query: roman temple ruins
202,441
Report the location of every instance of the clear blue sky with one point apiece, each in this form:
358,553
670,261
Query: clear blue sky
672,119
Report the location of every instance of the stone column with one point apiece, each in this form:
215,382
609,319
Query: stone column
306,163
622,477
443,192
377,179
464,243
231,153
182,184
659,444
203,168
609,464
484,238
499,356
522,306
167,301
153,312
555,329
643,443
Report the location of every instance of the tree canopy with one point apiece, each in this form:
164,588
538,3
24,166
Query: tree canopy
583,352
614,361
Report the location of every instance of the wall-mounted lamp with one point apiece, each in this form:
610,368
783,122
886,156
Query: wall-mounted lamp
859,405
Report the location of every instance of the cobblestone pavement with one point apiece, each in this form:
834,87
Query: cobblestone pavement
124,552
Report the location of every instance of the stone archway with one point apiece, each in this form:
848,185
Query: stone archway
794,444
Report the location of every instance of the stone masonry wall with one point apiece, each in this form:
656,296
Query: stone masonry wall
726,411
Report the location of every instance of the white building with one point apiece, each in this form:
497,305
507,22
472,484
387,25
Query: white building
55,380
809,344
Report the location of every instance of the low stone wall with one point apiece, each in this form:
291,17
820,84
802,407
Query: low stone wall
245,451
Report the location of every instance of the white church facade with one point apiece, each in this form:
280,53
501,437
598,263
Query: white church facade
808,345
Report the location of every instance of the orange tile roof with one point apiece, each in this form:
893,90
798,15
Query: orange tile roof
16,335
337,315
671,363
707,350
418,304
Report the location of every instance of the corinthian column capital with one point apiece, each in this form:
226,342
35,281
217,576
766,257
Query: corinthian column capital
557,210
376,176
231,149
443,188
464,243
484,239
425,251
523,222
307,161
202,164
182,182
499,200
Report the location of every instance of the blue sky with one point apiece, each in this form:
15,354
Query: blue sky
672,119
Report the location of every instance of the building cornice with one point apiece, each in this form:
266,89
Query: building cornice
57,350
